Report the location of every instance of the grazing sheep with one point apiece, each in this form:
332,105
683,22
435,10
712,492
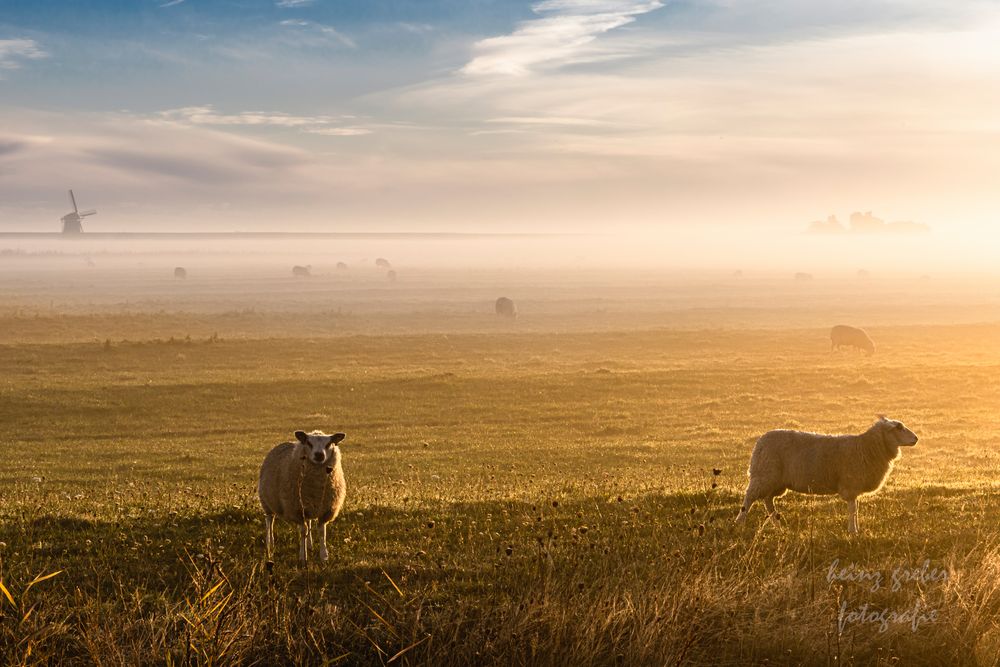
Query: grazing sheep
845,336
506,308
383,263
180,273
302,271
341,266
846,465
302,481
803,277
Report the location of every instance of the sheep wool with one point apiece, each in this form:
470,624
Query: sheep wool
845,336
850,466
302,482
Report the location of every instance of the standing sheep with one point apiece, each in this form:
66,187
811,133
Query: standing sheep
845,336
302,271
180,273
847,465
506,308
301,482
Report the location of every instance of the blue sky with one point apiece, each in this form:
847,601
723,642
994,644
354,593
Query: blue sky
554,113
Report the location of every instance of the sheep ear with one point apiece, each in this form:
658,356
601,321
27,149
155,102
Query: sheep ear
302,437
337,437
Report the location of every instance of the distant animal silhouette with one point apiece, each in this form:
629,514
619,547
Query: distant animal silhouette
383,263
180,273
391,275
341,266
302,271
846,336
803,277
505,307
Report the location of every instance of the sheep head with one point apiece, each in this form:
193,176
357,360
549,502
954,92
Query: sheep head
895,434
320,448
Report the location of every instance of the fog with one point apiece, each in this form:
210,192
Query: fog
711,277
693,247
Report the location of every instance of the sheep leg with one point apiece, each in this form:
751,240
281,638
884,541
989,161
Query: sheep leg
269,534
303,536
324,555
772,513
852,510
753,493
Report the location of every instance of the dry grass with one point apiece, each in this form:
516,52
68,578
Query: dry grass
513,499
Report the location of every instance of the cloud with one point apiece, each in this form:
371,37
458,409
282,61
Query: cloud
340,131
560,121
9,146
206,115
171,3
416,28
559,37
339,126
866,223
291,4
14,51
315,30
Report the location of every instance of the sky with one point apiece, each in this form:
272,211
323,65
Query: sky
496,115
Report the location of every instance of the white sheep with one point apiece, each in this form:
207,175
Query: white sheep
846,336
847,465
301,482
505,307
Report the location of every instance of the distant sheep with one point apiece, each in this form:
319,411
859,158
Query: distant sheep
803,277
847,465
383,263
505,308
180,273
302,271
301,482
391,275
341,266
845,336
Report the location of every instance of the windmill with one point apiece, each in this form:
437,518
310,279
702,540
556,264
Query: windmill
73,222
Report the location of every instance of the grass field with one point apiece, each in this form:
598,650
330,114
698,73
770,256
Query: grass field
514,498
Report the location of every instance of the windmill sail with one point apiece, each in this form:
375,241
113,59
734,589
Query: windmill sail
73,222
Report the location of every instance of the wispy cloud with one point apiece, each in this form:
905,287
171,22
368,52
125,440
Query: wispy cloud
289,4
416,28
559,37
340,131
14,51
171,3
319,29
339,126
562,121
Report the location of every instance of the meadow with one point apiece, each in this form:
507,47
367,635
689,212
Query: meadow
518,494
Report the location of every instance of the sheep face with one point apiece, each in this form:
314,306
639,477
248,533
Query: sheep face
896,434
320,448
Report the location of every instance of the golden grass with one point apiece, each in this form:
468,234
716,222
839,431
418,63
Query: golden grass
513,499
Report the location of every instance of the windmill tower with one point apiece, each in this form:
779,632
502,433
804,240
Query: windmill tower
72,223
